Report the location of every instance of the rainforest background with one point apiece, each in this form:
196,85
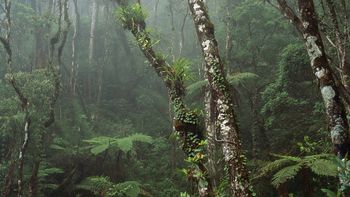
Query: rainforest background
95,97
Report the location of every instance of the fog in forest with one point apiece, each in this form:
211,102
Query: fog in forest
174,98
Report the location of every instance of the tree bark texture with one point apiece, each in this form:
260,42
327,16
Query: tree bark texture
307,25
234,158
185,122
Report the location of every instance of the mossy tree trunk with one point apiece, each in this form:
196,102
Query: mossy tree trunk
231,143
185,121
307,25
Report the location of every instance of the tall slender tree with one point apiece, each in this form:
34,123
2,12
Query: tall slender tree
307,25
231,142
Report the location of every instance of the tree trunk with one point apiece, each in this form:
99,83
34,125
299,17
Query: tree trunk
335,110
8,179
33,183
231,142
185,121
22,153
340,43
307,25
210,124
92,61
74,66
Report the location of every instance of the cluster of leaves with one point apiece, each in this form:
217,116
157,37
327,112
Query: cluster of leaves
131,15
100,144
103,186
288,167
181,70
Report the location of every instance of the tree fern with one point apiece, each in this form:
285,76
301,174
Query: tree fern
237,80
285,174
323,167
288,167
103,186
273,166
100,144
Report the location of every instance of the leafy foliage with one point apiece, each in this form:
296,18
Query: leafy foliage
131,15
102,143
288,167
103,186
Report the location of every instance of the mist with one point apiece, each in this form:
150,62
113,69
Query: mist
174,98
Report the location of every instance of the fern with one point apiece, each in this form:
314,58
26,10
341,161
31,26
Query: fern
289,166
273,166
129,188
285,174
196,88
102,143
96,184
238,79
100,185
324,167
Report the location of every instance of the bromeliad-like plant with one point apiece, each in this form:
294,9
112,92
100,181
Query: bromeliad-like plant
131,15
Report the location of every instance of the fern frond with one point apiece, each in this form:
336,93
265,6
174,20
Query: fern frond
273,166
102,143
285,174
323,167
241,78
196,88
291,158
129,188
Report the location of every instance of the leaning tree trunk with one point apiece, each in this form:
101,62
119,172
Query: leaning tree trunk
341,39
185,122
307,25
335,110
231,143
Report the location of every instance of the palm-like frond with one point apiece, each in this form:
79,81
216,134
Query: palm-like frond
102,143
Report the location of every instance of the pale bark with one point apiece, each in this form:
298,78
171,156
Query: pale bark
231,142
